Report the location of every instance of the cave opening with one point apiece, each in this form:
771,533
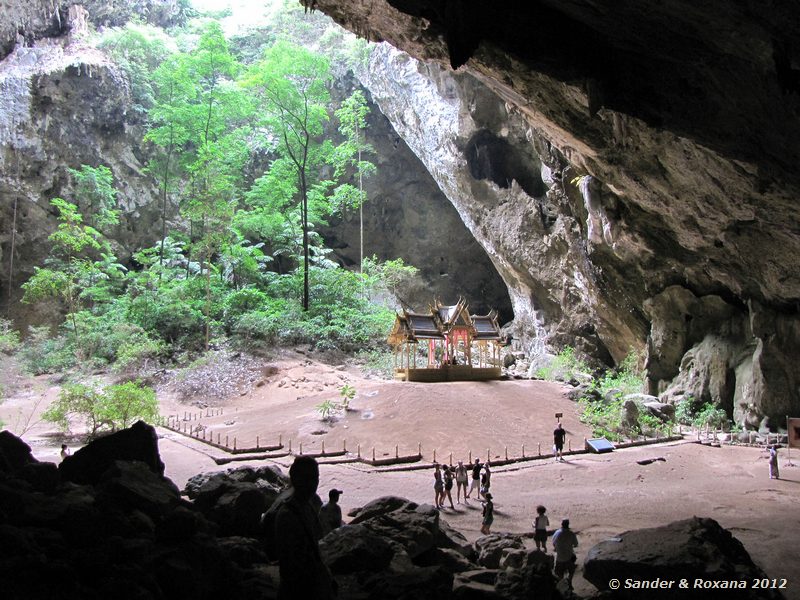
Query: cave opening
494,158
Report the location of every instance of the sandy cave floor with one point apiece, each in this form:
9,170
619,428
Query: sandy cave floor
602,495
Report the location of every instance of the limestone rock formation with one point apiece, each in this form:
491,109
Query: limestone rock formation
685,143
408,216
65,104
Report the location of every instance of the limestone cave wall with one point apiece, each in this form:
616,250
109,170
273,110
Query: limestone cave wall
681,122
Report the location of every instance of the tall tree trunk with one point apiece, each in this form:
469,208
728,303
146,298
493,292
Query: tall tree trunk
304,212
164,206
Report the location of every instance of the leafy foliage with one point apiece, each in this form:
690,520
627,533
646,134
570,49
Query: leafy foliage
9,337
328,408
113,407
347,392
246,171
625,379
605,414
139,50
689,411
42,353
564,366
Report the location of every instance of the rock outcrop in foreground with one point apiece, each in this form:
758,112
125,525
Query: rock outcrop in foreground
107,523
698,552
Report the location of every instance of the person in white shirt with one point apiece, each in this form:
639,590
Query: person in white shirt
540,525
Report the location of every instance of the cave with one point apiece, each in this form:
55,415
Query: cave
610,176
495,159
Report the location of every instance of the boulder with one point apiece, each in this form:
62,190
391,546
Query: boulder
449,559
379,506
138,442
238,510
132,485
472,590
267,477
354,548
43,476
447,537
662,410
243,551
533,580
419,583
14,453
630,413
490,548
696,548
413,529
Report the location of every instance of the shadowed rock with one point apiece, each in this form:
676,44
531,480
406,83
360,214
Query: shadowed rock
696,548
138,442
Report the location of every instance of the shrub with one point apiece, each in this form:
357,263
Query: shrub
42,353
9,337
347,392
605,418
114,407
377,361
710,415
626,378
327,408
563,367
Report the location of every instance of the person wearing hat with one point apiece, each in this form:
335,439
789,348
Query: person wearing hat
330,515
488,513
564,542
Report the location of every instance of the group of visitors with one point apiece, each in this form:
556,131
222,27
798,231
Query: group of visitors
445,475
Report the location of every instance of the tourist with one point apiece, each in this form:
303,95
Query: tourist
438,488
564,542
476,478
774,473
488,514
540,525
297,532
330,515
558,442
461,482
486,479
448,485
64,451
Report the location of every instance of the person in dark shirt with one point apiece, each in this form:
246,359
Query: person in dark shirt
558,442
476,478
297,534
330,515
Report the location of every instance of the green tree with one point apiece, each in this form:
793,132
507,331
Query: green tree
113,407
69,265
168,131
291,85
96,195
199,125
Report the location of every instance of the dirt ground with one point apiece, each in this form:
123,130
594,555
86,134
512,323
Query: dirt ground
602,495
